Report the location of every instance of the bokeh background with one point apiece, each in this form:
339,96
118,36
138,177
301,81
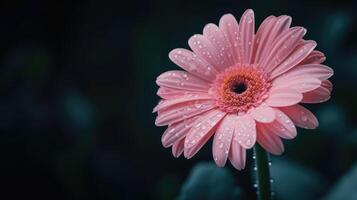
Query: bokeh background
77,83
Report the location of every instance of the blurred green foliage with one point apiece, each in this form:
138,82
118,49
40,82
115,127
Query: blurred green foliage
207,181
345,188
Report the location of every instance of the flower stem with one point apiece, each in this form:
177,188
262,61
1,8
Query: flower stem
263,173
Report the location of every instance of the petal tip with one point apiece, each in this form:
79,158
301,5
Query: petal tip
249,12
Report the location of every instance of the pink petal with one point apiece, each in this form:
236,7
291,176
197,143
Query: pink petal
167,93
263,113
318,71
261,38
176,131
246,36
205,49
164,104
229,27
279,97
171,93
318,95
282,48
275,28
202,129
281,25
268,140
300,84
192,63
294,58
301,116
222,139
183,111
183,81
282,126
177,148
315,57
216,37
245,131
237,155
327,84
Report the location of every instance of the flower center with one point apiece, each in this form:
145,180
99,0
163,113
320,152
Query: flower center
239,88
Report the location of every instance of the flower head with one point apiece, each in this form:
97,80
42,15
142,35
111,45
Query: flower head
241,87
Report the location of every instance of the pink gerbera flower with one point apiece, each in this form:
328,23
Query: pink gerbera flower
241,87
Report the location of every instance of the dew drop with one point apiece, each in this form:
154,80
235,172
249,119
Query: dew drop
198,106
304,118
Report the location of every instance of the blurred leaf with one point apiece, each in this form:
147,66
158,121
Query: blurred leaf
295,182
335,28
168,187
345,189
350,64
78,113
346,152
332,118
209,182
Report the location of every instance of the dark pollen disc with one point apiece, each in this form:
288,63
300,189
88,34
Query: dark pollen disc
239,88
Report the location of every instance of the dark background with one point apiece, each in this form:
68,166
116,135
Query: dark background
77,85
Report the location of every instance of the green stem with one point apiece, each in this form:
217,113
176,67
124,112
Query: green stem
263,173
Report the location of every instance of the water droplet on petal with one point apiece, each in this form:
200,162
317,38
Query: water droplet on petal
304,118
